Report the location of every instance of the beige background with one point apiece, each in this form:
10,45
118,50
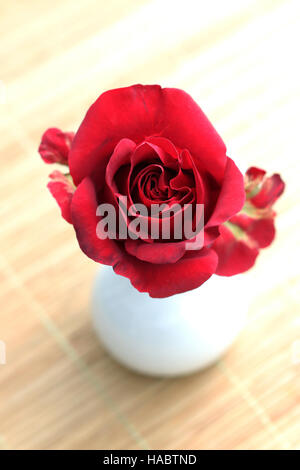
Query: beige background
59,389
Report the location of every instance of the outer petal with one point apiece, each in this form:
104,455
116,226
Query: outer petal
235,256
83,209
232,195
62,190
138,112
163,280
254,174
270,191
188,127
55,146
238,253
260,231
156,253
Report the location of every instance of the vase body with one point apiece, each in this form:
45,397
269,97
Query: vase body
167,337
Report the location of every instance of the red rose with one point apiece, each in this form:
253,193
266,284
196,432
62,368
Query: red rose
154,146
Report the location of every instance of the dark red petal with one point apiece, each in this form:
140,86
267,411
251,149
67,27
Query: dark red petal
210,235
260,231
62,190
235,256
119,158
165,144
157,253
138,112
255,174
188,127
183,180
232,195
83,208
55,146
166,158
270,191
187,162
163,280
120,113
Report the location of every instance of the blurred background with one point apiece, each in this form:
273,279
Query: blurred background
59,389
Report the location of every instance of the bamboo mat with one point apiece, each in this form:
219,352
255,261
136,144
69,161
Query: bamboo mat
59,389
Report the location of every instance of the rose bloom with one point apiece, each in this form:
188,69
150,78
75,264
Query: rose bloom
154,145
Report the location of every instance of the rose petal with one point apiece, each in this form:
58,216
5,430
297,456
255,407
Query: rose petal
189,128
55,146
260,231
235,256
270,191
232,195
163,280
255,174
62,190
157,253
139,111
84,218
210,235
120,157
165,144
167,153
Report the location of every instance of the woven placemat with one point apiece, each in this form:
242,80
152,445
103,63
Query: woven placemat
59,389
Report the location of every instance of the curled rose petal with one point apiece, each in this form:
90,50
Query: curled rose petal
62,190
55,146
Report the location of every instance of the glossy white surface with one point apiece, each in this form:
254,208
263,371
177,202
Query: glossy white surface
172,336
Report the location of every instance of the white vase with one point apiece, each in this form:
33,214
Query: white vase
172,336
